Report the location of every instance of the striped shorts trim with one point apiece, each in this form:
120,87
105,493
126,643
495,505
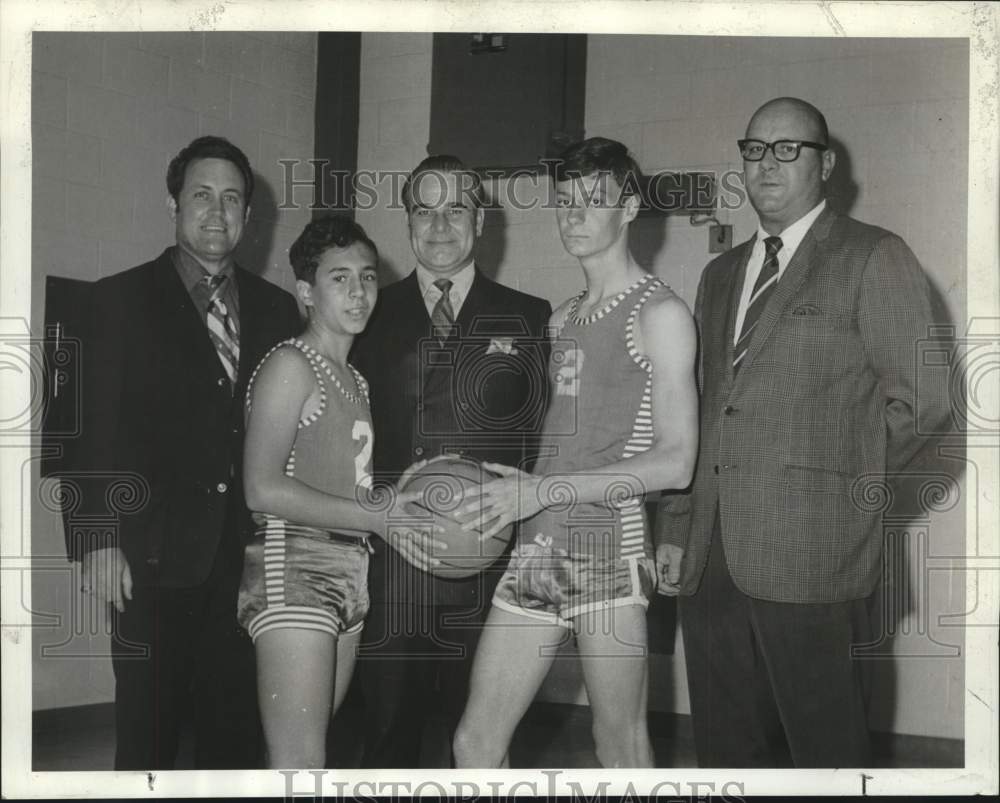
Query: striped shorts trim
299,617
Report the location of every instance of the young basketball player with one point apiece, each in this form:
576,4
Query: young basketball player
622,421
307,463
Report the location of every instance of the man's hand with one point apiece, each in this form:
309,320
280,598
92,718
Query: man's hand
668,569
106,576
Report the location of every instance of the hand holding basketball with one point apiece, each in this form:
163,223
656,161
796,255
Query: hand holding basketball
437,489
497,504
416,542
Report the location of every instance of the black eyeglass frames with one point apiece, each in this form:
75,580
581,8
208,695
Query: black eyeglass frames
784,150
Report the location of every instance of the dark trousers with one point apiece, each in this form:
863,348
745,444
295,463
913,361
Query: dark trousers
415,662
763,675
180,650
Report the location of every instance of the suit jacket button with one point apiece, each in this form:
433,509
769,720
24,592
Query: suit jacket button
418,451
154,562
222,487
729,410
220,382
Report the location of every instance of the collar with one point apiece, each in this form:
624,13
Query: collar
792,236
191,271
460,282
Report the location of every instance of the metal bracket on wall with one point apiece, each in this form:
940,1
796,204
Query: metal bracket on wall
720,235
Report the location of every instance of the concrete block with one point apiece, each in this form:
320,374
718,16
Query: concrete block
48,204
131,166
119,255
137,72
256,106
941,125
199,90
289,70
187,47
64,254
65,155
94,212
48,99
69,54
235,54
100,112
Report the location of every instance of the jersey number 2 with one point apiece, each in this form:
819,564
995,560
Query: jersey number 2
362,432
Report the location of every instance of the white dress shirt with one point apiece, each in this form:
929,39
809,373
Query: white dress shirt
790,239
460,284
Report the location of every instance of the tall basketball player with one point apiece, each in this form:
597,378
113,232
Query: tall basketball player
622,421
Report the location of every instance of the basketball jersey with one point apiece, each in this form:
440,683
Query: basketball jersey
333,445
600,412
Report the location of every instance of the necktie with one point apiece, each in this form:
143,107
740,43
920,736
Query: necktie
222,328
762,290
443,316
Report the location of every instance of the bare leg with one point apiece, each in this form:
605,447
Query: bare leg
613,654
347,654
512,660
295,678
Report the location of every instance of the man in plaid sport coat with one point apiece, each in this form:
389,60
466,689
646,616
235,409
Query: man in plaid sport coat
807,370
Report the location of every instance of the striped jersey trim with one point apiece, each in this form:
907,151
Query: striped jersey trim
633,543
610,305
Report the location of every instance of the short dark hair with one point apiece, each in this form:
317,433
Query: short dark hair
445,163
208,147
318,237
598,155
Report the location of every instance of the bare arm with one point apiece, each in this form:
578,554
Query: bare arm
283,388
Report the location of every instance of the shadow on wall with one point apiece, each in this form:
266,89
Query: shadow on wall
842,190
258,236
492,243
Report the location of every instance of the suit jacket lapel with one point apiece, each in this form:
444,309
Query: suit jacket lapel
181,321
788,285
735,291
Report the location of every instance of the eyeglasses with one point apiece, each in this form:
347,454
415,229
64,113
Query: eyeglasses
784,150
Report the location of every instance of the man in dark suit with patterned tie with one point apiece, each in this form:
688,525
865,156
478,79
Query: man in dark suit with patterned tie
456,364
808,342
173,343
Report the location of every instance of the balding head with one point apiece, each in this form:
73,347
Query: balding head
783,192
811,117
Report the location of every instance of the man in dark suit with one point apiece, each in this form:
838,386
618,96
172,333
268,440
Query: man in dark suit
808,343
174,342
456,364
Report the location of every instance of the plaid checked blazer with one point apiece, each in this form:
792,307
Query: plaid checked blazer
824,400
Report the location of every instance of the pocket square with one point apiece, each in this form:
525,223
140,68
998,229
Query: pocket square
807,309
501,345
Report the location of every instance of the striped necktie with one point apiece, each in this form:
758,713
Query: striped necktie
222,328
443,316
762,290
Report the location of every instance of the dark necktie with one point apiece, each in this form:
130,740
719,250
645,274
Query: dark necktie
443,317
762,290
222,328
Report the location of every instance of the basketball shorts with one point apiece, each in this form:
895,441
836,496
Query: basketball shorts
553,585
302,577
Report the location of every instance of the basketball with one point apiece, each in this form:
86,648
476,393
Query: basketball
441,484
